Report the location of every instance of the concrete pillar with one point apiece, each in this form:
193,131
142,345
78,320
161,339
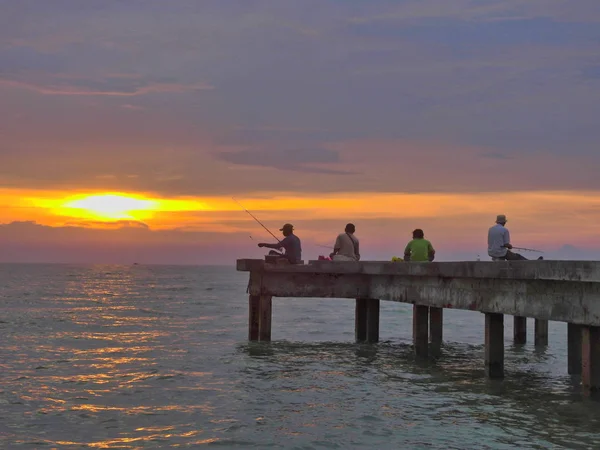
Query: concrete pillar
360,320
520,329
574,348
421,330
264,330
436,320
253,317
590,362
494,345
541,332
373,320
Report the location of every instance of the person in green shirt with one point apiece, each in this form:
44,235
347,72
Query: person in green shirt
419,249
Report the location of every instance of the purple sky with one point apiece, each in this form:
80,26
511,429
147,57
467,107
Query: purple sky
221,98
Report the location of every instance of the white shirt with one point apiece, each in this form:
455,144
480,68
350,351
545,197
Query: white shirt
498,236
345,242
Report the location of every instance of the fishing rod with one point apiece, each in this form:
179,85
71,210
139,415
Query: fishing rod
257,221
528,249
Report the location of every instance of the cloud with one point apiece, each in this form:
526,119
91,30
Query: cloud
458,233
119,224
132,107
317,94
315,160
31,242
106,87
369,166
489,11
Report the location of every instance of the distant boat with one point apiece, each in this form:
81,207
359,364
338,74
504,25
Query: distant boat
136,264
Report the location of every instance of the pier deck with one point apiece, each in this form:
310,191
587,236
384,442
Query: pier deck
565,291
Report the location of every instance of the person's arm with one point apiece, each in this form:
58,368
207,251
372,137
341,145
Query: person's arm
337,246
431,252
407,252
357,251
273,246
507,239
281,244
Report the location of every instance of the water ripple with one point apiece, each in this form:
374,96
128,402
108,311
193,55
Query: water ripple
157,357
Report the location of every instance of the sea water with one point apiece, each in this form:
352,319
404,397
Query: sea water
157,357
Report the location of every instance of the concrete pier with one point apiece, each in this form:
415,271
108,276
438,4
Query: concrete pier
360,320
259,317
520,329
254,317
366,320
565,291
574,349
436,322
421,330
494,345
264,325
590,367
372,320
541,332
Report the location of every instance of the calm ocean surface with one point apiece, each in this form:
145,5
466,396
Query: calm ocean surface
157,357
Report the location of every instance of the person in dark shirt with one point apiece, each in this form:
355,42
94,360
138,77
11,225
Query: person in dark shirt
291,244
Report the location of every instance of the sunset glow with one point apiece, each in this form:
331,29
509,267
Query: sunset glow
315,214
115,139
110,207
54,208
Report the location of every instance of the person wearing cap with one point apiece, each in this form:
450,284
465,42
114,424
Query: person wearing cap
499,242
346,245
419,249
290,243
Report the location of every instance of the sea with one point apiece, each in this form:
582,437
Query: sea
135,357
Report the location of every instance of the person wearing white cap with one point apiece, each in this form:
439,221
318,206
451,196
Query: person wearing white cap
499,242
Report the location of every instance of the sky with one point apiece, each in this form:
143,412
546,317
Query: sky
127,127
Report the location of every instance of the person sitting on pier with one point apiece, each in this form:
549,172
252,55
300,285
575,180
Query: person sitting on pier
499,247
291,245
346,246
419,249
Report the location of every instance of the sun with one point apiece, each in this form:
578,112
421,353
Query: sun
110,207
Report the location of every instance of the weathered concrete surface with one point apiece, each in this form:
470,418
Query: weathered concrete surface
590,344
541,332
494,345
360,320
520,270
566,291
574,334
520,329
259,320
421,330
436,325
264,331
254,317
373,320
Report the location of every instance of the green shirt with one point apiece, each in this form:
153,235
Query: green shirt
419,249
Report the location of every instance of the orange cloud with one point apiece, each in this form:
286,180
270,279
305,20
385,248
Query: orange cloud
97,226
540,215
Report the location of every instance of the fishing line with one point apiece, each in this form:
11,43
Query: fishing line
528,249
257,221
